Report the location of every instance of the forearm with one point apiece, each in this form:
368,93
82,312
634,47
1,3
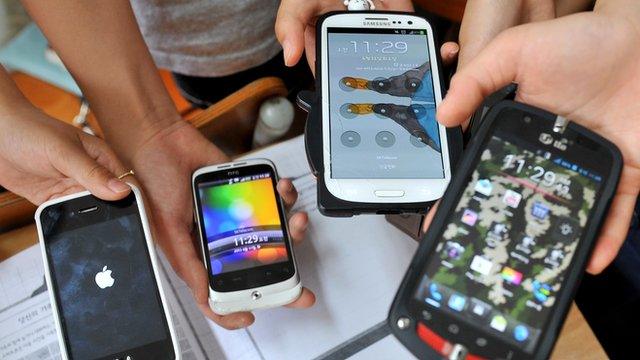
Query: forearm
11,99
101,45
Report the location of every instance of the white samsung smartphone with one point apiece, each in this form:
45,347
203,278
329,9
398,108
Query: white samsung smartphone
244,237
380,85
103,280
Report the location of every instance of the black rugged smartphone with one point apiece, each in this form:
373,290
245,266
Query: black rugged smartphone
495,273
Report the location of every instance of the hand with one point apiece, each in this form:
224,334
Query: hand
164,165
296,24
583,67
42,158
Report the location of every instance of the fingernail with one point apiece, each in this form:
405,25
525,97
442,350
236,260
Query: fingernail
286,52
118,186
454,51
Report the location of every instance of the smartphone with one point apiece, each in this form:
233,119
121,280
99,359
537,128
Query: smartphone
496,272
103,281
244,236
380,83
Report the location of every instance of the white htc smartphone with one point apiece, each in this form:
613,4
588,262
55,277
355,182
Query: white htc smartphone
102,275
380,84
244,237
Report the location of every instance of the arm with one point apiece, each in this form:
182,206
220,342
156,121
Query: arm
101,45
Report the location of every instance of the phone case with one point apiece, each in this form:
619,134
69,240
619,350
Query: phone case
152,256
328,204
405,292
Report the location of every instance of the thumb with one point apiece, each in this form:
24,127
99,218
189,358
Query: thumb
94,177
494,67
293,17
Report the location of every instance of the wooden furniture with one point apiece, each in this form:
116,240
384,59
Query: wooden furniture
576,339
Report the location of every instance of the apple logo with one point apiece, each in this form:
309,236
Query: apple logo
104,279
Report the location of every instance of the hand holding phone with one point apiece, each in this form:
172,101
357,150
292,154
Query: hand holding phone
245,238
600,94
496,272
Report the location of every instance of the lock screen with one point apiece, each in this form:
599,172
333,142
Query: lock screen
501,260
382,105
242,223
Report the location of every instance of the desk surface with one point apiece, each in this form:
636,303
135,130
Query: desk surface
576,340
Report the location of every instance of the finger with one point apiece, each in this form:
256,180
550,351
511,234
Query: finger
429,217
230,322
287,192
293,17
307,299
298,227
76,163
449,52
615,229
310,47
495,67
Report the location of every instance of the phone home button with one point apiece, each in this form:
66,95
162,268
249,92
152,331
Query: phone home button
389,193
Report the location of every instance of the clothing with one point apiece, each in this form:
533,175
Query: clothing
208,38
204,91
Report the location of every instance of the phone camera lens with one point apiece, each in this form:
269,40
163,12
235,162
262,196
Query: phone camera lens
527,119
410,22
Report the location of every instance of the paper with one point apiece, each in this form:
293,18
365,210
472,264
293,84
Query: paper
27,328
354,265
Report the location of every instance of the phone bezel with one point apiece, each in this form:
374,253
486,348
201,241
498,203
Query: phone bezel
132,204
363,190
406,306
255,277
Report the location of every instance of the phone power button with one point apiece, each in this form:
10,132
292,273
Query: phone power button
256,295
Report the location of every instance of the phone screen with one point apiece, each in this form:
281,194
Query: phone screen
501,261
382,105
243,224
104,282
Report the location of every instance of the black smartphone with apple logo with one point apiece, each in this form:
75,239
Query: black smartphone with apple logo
104,285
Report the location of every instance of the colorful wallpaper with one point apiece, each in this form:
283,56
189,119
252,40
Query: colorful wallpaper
238,206
242,225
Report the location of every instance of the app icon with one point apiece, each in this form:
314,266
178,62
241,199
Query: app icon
554,258
481,265
435,296
520,333
525,244
484,187
453,250
469,217
541,291
499,323
479,309
512,198
565,228
457,302
499,229
103,278
539,210
511,276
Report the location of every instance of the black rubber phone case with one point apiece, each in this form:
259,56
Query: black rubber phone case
328,204
405,293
